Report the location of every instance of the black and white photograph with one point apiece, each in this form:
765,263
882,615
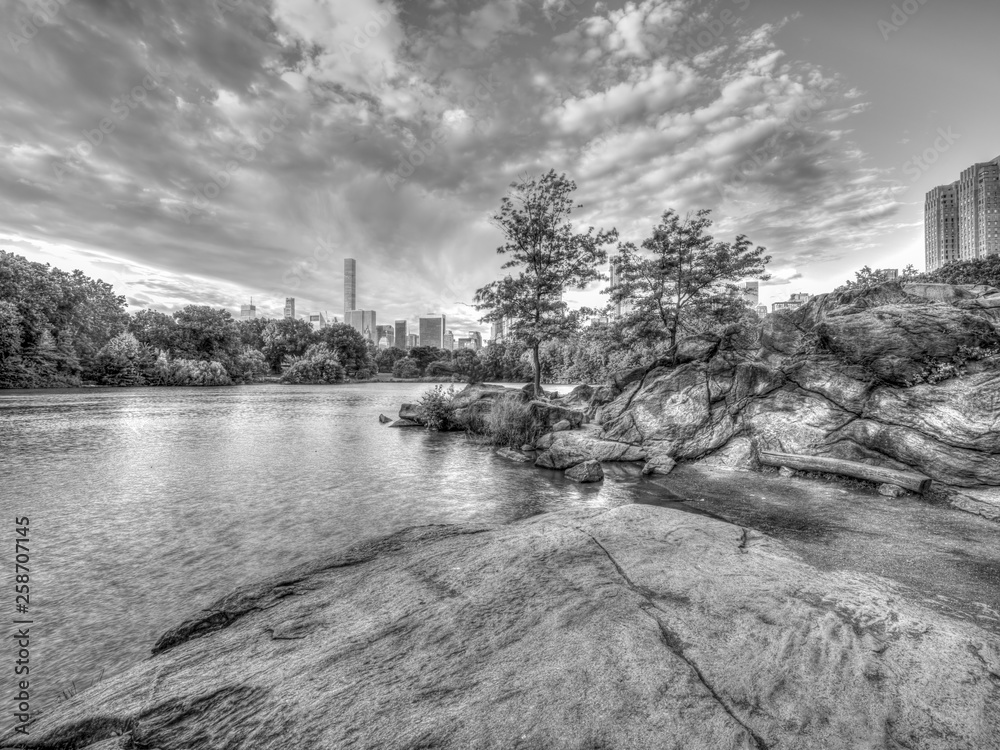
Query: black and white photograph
500,374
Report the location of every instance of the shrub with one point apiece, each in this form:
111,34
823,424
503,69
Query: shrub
123,361
196,372
248,366
509,422
437,408
406,368
318,365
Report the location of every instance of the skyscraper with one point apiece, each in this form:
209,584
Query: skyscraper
432,328
962,220
363,321
401,341
290,307
941,226
449,341
477,340
388,333
350,285
248,312
412,340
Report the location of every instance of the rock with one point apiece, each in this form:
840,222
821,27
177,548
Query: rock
514,455
545,441
586,472
579,398
527,448
984,501
891,490
529,392
589,442
659,465
562,425
384,419
697,348
785,472
405,423
561,456
636,627
549,414
410,412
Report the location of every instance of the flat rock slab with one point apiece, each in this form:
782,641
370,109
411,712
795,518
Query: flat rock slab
638,627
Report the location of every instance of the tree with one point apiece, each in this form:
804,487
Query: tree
124,361
549,257
406,368
424,355
976,271
387,358
687,276
350,348
155,329
287,337
206,333
318,365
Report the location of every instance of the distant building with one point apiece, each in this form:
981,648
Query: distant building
962,220
248,312
496,331
386,332
941,226
412,340
887,274
317,321
432,330
290,307
383,343
363,321
793,303
449,341
477,340
400,337
350,285
599,321
761,311
750,291
464,343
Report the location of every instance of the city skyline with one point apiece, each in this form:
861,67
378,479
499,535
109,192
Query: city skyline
182,179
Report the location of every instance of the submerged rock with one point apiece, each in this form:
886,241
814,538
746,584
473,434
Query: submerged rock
588,471
637,627
514,455
383,419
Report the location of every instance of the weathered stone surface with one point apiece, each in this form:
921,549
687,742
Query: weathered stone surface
527,448
547,414
586,472
382,418
405,423
700,348
410,412
891,490
562,425
826,380
589,442
638,627
514,455
659,465
545,441
561,456
983,502
579,398
786,472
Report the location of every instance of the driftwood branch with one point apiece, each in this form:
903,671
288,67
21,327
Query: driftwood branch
906,479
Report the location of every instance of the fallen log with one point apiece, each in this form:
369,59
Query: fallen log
906,479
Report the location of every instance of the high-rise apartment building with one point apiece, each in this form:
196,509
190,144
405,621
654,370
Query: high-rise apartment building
962,220
317,321
941,226
363,321
400,326
432,330
412,340
290,307
248,312
477,340
449,341
350,285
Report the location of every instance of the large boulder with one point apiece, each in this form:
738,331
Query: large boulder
547,414
637,627
585,473
411,413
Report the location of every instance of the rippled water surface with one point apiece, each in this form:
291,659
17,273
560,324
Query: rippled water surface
147,504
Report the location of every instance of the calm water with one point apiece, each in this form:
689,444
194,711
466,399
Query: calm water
148,504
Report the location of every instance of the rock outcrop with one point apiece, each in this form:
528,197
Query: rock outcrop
638,627
833,378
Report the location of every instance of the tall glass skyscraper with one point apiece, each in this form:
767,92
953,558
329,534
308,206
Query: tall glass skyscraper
350,285
401,341
432,329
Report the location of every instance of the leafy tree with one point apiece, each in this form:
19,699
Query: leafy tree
206,333
406,368
155,329
318,365
387,358
284,338
468,363
976,271
686,276
248,366
506,362
350,348
549,258
252,332
867,278
124,361
424,355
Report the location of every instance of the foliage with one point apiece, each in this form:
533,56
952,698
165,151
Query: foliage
352,350
248,366
506,361
189,372
319,364
936,371
206,333
978,271
468,363
52,323
687,280
287,337
424,355
124,361
509,422
154,329
436,407
386,359
549,257
867,278
252,332
406,368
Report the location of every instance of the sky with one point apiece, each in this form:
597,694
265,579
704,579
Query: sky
210,151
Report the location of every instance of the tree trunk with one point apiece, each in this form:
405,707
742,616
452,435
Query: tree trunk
907,479
536,367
